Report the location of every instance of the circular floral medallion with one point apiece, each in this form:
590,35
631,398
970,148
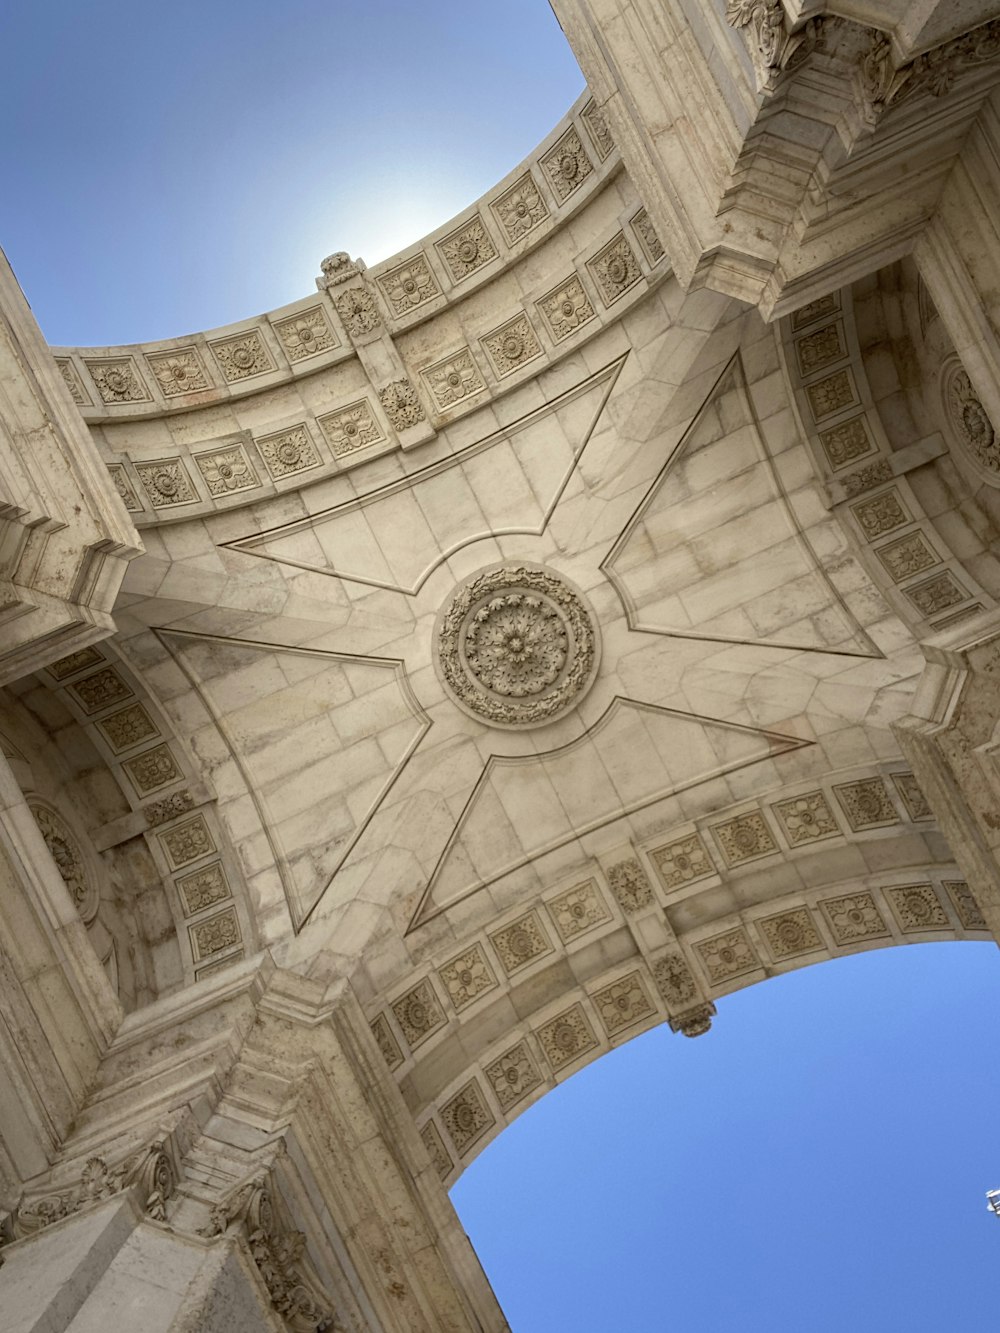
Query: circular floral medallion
517,647
970,423
65,850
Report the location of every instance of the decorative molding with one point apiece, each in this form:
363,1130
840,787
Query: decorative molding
806,819
151,770
615,269
99,691
436,1151
74,383
512,345
338,268
467,248
597,128
845,443
467,976
453,379
648,239
409,285
867,478
880,85
187,842
578,910
630,885
418,1013
513,1076
401,405
854,917
215,935
727,956
150,1172
278,1251
936,594
520,943
356,307
306,334
566,1037
917,908
970,423
623,1004
883,513
351,428
128,728
789,934
178,372
773,48
118,380
745,838
66,852
566,165
565,309
867,804
520,209
387,1043
161,812
917,805
166,482
287,452
467,1117
694,1022
675,981
242,357
227,470
203,889
682,861
71,665
124,487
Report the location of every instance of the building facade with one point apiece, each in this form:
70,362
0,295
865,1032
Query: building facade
412,693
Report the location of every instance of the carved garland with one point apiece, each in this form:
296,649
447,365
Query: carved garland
882,86
65,850
773,49
151,1173
970,422
277,1251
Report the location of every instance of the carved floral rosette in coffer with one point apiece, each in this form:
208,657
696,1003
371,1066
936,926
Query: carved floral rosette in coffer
971,426
71,861
516,646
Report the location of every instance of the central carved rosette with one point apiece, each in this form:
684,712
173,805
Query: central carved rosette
517,646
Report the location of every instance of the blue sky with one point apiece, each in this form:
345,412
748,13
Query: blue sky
172,167
819,1160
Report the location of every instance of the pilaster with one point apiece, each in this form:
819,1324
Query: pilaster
265,1105
65,538
950,740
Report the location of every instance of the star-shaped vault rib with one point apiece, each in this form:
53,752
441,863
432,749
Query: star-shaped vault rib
361,530
507,483
308,759
635,755
714,551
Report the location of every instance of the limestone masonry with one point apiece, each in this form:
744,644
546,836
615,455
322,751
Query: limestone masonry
413,692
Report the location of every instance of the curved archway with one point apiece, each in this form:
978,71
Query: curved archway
819,1162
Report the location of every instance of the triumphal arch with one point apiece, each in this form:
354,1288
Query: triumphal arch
413,692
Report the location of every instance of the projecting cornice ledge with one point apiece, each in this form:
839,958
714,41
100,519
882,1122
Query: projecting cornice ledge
785,150
65,538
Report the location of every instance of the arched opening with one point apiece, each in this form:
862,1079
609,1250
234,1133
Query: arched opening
817,1162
